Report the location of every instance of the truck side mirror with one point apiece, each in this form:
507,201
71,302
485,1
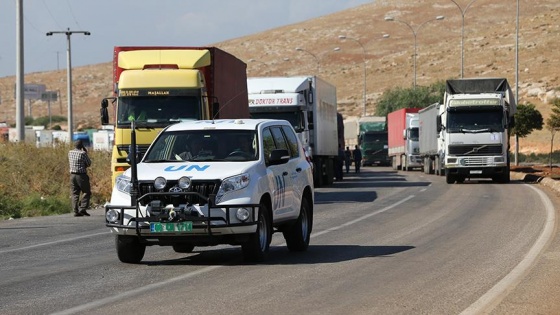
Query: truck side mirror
215,110
404,134
511,122
438,124
104,112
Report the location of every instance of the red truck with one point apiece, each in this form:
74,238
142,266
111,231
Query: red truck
156,86
402,129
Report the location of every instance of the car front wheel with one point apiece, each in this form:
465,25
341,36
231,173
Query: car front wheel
297,236
256,248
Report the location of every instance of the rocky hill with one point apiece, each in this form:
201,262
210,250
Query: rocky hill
489,51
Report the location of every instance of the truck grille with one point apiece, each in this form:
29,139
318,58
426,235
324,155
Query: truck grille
477,161
204,188
478,149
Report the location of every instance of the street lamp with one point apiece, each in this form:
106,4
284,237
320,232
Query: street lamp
68,33
414,33
313,55
343,37
463,12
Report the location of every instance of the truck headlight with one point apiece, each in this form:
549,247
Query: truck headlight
232,184
498,159
123,184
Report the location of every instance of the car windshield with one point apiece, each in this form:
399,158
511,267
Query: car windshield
204,145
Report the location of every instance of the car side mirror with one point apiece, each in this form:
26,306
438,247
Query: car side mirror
279,156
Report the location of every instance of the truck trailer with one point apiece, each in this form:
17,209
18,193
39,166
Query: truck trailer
430,141
158,86
309,103
402,130
474,122
373,140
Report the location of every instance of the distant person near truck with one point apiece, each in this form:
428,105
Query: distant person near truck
347,159
357,158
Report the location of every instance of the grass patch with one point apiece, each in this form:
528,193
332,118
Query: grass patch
36,181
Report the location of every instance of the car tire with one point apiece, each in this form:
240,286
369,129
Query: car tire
129,249
297,236
256,248
183,248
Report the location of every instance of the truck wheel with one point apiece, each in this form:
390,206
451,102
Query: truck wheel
450,179
297,236
129,249
256,248
183,248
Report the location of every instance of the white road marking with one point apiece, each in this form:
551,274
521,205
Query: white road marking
500,290
51,243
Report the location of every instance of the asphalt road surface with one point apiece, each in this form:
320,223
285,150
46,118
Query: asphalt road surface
383,242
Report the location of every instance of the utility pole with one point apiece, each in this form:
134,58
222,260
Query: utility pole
69,33
20,110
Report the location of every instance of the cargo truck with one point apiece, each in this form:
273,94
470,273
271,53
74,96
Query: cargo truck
475,120
309,104
402,129
373,140
158,86
430,140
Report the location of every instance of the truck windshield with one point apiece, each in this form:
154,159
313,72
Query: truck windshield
294,118
414,134
475,121
371,138
204,145
160,110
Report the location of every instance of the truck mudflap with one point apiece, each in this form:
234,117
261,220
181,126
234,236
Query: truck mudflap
180,221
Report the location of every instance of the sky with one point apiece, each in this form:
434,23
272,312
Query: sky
139,23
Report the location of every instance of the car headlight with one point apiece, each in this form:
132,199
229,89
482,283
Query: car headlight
123,184
160,183
112,216
184,182
232,184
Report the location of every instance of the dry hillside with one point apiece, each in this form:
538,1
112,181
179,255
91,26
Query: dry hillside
489,50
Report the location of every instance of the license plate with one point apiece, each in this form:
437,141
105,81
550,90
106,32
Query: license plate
158,227
476,171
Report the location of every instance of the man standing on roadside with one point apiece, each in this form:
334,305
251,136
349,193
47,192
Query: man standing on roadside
79,179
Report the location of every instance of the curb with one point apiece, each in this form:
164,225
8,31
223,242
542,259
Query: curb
530,178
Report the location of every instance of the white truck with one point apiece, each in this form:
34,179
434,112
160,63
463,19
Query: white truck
402,126
247,179
474,121
430,140
309,103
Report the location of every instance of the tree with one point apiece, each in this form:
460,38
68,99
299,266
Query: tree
527,119
419,97
553,124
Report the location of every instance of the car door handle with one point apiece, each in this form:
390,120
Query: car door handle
285,174
298,169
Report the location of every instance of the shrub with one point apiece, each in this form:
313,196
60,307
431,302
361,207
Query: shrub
36,181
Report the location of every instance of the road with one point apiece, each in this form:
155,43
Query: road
383,242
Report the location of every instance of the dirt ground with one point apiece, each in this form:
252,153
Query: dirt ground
538,170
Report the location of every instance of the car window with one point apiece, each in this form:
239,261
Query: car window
268,143
292,141
279,139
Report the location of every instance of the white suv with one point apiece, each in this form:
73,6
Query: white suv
204,183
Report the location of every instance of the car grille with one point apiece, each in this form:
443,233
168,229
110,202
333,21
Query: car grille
205,188
478,149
